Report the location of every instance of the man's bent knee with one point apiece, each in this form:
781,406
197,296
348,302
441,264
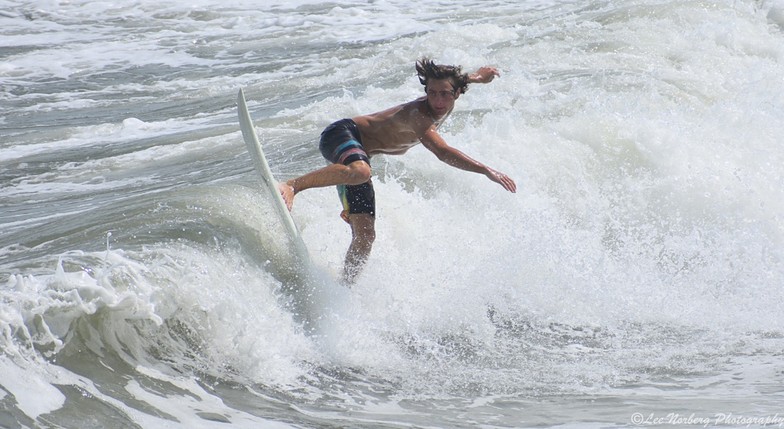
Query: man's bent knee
358,173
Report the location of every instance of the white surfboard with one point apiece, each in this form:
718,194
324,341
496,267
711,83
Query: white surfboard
270,184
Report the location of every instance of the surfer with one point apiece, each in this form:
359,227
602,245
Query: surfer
349,144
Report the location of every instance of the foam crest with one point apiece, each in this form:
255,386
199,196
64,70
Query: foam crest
642,254
49,305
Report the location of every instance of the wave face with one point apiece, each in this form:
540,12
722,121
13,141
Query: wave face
635,276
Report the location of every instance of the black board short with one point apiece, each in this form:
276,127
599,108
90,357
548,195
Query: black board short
341,143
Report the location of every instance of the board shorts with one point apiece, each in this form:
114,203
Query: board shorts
341,143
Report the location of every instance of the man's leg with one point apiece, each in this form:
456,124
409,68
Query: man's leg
363,233
356,173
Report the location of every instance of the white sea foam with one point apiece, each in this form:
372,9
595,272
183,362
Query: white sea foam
641,257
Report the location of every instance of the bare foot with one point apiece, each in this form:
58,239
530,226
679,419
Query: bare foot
287,192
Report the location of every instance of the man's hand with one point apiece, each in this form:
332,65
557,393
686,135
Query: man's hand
483,75
502,179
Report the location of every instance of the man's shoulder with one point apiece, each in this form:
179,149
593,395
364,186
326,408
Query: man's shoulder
409,112
417,112
413,107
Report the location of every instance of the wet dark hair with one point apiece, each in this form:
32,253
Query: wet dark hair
427,69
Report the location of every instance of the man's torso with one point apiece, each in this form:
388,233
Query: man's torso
394,131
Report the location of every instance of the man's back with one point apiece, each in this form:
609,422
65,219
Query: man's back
395,130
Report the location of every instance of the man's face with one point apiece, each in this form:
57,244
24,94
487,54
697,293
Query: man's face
441,97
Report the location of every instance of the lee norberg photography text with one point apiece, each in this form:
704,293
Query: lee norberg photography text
717,419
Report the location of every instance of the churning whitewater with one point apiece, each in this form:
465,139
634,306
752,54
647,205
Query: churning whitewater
635,278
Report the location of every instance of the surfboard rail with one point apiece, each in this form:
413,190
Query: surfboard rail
270,184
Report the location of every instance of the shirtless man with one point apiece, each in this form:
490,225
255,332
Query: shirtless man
350,143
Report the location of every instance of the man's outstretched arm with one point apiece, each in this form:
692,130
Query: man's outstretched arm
451,156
